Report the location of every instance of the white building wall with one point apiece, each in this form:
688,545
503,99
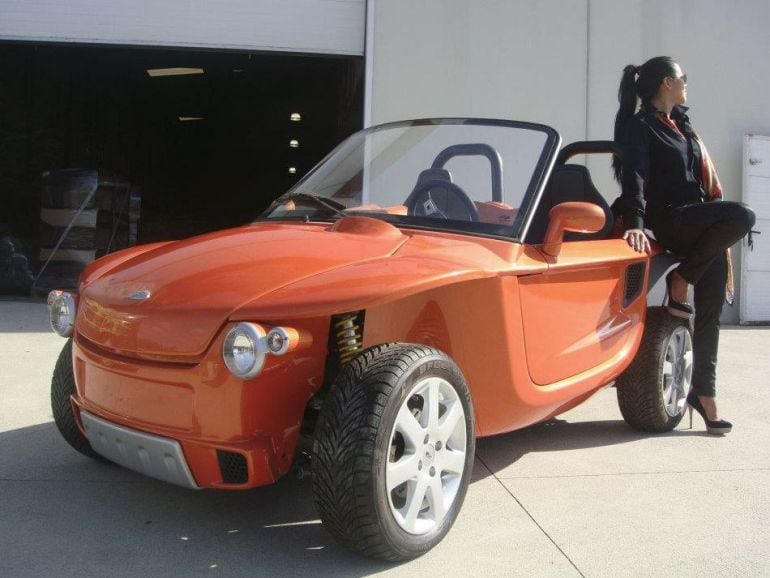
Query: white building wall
308,26
559,62
494,58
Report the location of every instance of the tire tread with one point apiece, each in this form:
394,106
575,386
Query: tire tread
62,388
344,447
639,396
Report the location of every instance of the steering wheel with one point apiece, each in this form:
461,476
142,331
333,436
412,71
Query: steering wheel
441,199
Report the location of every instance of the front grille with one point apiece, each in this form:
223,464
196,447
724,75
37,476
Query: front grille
233,466
634,282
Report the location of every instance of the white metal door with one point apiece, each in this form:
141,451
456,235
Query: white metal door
755,265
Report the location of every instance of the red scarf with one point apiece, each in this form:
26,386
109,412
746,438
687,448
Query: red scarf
713,189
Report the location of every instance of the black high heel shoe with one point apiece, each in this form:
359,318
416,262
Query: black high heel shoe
714,427
675,308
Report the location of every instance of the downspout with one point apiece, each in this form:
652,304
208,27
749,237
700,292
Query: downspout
369,61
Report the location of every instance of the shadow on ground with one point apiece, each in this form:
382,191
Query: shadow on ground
558,435
66,514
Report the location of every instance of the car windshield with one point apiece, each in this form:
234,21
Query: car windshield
466,175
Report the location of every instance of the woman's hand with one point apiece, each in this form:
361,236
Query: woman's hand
637,240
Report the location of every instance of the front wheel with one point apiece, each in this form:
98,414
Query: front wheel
62,388
394,451
652,392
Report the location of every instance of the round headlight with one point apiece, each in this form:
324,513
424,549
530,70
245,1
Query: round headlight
244,350
62,310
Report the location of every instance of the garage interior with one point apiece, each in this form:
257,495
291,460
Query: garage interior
206,139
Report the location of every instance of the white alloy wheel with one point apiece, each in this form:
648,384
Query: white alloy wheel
427,452
677,371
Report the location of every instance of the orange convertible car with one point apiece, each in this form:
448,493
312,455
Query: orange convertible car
428,283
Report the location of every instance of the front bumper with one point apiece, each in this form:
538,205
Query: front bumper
154,456
227,433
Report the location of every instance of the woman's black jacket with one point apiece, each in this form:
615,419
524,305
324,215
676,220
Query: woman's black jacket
661,166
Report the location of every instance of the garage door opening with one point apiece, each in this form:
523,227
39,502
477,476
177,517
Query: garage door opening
199,140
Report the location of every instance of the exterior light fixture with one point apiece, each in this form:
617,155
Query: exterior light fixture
279,340
294,143
244,350
247,345
292,170
62,309
173,71
295,117
190,118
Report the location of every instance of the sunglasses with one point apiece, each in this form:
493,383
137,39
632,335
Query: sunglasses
683,78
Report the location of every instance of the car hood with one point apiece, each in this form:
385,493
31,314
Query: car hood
171,300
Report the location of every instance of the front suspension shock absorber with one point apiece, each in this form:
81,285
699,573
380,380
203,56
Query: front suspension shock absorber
348,335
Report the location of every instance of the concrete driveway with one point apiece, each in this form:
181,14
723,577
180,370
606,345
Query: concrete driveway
582,495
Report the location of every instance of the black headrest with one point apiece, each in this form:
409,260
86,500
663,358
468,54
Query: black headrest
434,175
426,176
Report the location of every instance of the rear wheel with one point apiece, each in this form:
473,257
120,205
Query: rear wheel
394,451
62,388
652,392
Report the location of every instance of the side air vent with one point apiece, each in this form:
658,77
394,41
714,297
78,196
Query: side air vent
634,282
233,467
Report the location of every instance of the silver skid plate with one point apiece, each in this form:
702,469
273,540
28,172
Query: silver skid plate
153,456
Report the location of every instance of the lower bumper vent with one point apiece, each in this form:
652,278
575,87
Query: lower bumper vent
233,466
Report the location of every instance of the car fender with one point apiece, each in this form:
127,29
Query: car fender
358,286
427,261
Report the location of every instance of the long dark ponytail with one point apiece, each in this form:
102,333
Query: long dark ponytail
650,76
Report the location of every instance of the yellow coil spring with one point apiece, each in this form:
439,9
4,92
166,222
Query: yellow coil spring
349,338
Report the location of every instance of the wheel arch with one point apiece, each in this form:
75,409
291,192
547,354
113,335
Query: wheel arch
660,264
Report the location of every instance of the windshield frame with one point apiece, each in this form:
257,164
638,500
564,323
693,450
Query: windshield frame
529,201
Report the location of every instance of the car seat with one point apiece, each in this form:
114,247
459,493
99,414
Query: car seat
569,183
425,176
452,206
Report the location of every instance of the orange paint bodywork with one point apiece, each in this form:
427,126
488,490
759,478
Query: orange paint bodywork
533,334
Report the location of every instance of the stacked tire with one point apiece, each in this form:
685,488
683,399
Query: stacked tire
84,215
69,198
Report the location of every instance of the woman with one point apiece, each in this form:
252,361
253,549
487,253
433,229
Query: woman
669,184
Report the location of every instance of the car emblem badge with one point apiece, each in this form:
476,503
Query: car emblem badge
139,295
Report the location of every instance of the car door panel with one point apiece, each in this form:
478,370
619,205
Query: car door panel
573,314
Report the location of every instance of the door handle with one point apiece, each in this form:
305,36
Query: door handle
755,161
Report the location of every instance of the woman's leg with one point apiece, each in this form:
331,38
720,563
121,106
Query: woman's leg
700,233
709,293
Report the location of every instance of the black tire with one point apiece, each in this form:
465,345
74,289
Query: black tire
642,387
352,449
62,387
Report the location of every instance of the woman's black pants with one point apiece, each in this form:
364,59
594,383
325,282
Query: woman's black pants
699,235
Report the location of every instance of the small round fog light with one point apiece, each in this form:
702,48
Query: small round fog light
278,341
62,314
